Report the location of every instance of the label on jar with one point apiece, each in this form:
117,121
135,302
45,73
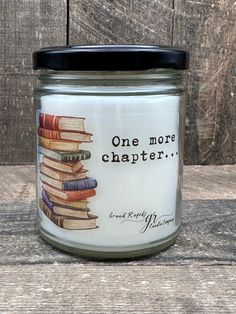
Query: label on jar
108,168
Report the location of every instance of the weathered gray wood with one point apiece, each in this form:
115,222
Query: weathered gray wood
122,21
26,25
209,182
117,289
207,237
208,30
17,184
196,275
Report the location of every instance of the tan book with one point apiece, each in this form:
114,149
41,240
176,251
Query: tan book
59,145
69,167
63,135
56,183
70,212
68,222
82,204
69,195
62,176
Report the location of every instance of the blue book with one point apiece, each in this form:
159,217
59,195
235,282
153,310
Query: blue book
82,184
46,200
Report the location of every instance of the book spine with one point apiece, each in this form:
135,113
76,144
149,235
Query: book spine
83,184
69,195
57,220
83,155
55,135
46,200
58,201
48,121
79,195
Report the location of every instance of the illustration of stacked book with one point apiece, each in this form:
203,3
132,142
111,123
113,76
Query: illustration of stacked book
66,187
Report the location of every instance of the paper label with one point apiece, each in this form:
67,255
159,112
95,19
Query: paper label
108,172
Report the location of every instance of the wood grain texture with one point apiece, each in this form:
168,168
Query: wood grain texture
207,237
196,275
26,25
120,22
209,182
117,289
208,30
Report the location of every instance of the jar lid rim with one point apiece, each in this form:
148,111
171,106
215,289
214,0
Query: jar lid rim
110,58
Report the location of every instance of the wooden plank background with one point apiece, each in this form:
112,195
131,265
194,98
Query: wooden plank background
114,289
206,28
196,275
25,25
208,227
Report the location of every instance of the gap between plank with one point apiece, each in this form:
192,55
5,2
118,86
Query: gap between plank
173,22
67,22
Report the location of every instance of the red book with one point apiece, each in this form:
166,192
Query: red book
65,135
69,195
58,123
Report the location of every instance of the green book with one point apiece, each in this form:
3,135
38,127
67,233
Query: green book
65,156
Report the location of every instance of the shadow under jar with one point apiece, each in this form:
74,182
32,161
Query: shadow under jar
110,133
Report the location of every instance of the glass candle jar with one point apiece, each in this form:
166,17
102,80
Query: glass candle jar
110,133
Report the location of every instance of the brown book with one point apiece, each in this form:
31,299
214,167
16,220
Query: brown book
52,122
71,212
55,183
62,176
65,135
82,204
68,222
69,167
60,145
69,195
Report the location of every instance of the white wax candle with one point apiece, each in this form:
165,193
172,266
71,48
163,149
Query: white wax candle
135,160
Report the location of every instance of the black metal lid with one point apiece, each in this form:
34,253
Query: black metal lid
110,58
